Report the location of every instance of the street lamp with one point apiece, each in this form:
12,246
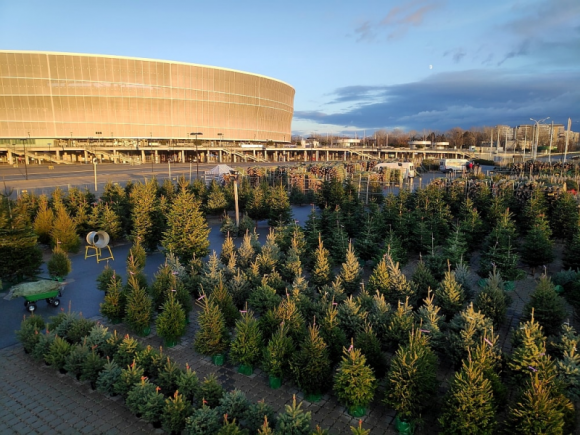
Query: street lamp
196,154
25,157
151,151
535,151
235,175
95,160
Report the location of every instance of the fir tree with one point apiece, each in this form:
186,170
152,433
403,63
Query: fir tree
246,252
534,209
257,205
351,317
428,317
175,412
59,265
64,231
401,323
216,200
378,317
393,246
492,300
146,207
111,223
399,288
370,346
351,272
499,249
332,333
465,331
354,381
139,307
44,221
247,344
455,249
537,248
187,232
471,225
164,281
279,210
568,362
571,257
379,279
339,240
224,301
547,306
228,250
170,322
105,276
322,270
294,421
412,380
367,245
423,280
449,295
564,216
469,405
359,429
113,306
310,366
212,337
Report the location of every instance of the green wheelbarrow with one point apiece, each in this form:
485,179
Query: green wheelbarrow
51,297
32,292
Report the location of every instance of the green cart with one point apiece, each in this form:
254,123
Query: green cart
51,297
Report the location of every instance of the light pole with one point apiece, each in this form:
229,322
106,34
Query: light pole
235,175
196,154
150,150
535,150
95,160
25,157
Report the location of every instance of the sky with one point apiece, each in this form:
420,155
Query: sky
356,66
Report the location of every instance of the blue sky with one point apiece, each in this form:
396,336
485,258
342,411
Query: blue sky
356,66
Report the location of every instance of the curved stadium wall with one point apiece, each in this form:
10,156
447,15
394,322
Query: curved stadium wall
64,95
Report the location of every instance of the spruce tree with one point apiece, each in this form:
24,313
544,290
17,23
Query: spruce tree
351,272
257,205
187,230
564,216
44,221
228,250
401,323
465,332
59,265
277,353
139,307
163,282
430,321
367,245
412,378
538,249
221,297
354,381
111,223
64,231
170,322
146,207
499,249
246,347
423,280
378,317
568,362
278,203
294,421
310,366
471,225
332,334
379,279
212,337
370,346
216,199
469,407
399,288
449,295
571,256
351,317
113,306
322,270
492,300
547,306
455,249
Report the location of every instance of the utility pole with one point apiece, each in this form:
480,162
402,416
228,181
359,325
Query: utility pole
551,137
567,138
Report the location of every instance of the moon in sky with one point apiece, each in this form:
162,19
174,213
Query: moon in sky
430,66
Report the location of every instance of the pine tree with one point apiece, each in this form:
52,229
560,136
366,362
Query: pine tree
412,380
64,231
469,407
59,265
455,249
294,421
499,249
492,300
322,270
228,249
351,272
568,362
351,317
257,205
354,381
379,279
370,346
212,337
399,288
187,229
430,321
163,282
547,306
465,332
534,210
44,221
170,322
393,246
449,295
537,248
216,200
540,409
571,257
111,223
401,323
338,239
139,307
310,366
367,245
277,354
146,206
471,225
564,216
332,333
423,280
247,345
175,412
278,203
225,303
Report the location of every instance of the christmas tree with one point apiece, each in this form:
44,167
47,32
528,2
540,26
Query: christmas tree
370,346
393,246
547,305
187,230
170,322
412,379
469,407
471,225
44,220
221,297
351,272
571,257
492,300
332,333
322,269
449,295
59,265
294,421
499,249
228,250
564,216
379,279
110,222
278,203
351,317
310,366
354,381
431,321
146,214
64,230
455,248
113,307
216,200
247,345
277,354
399,288
538,249
212,337
465,332
139,307
423,280
401,323
568,362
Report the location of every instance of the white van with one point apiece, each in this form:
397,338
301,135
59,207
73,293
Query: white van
407,168
450,165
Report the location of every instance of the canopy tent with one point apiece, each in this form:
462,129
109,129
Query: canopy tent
219,170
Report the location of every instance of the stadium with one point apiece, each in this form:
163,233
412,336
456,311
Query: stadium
81,97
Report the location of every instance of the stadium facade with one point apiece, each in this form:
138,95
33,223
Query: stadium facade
51,95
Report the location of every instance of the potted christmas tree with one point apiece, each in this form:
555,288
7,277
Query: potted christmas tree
171,321
212,337
311,365
113,306
139,308
247,344
354,382
277,355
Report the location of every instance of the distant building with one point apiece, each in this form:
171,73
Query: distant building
347,142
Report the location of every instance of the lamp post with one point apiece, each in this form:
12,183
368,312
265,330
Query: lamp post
196,154
535,150
25,157
235,175
151,151
95,160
